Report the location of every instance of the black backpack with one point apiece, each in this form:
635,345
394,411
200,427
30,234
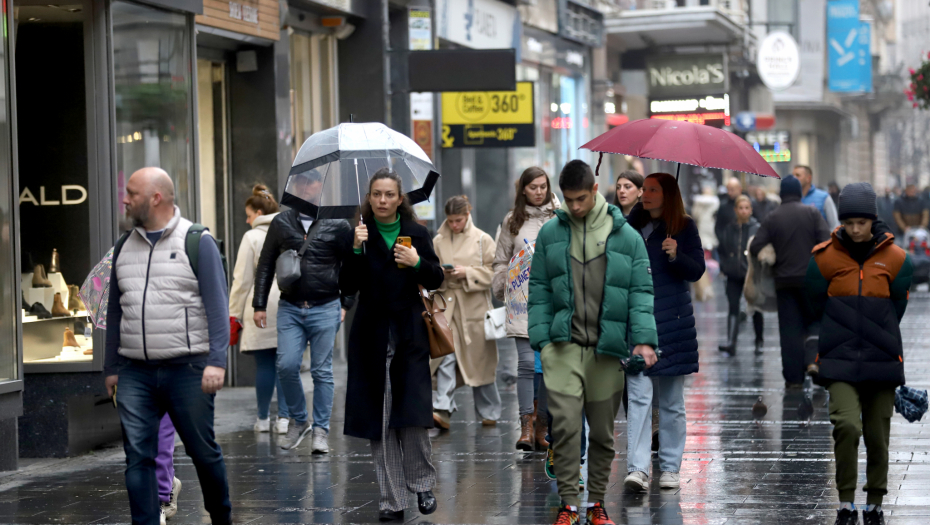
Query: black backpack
191,247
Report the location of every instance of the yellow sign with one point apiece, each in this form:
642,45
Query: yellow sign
489,107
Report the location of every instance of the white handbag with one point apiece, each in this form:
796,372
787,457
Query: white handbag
494,318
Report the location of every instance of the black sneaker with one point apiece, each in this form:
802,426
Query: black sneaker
846,517
876,517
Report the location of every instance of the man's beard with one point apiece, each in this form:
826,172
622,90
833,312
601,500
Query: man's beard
139,216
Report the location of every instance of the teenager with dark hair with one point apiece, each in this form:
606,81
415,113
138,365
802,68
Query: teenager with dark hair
585,311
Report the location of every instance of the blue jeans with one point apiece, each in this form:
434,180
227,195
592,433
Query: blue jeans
669,392
266,378
144,394
297,327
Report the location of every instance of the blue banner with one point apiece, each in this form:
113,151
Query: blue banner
849,48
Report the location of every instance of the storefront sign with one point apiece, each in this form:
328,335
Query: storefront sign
489,119
778,62
774,146
697,110
686,75
809,86
249,17
478,24
849,49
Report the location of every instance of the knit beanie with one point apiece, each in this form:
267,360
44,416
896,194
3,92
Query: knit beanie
857,200
790,185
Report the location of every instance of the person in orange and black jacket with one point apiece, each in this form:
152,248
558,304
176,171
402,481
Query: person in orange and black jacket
859,281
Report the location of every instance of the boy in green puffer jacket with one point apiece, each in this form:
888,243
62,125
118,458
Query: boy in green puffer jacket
590,288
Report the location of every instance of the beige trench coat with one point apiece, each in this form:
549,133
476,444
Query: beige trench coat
243,288
469,299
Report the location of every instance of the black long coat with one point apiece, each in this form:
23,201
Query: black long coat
389,294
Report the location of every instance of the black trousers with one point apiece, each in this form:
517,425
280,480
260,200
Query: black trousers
798,330
734,293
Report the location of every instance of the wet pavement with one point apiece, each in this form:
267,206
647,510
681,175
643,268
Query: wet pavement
736,470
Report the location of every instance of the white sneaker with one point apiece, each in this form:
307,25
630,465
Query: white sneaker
171,508
162,520
637,481
669,480
262,425
280,425
320,444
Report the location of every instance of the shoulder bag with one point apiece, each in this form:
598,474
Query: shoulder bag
287,267
437,326
494,318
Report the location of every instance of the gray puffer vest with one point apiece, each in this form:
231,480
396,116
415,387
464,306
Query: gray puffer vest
163,313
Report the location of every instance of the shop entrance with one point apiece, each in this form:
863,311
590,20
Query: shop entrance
213,149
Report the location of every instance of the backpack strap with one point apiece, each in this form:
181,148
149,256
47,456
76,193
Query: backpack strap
118,247
192,245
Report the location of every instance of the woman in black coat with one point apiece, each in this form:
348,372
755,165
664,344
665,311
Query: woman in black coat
676,259
734,263
389,391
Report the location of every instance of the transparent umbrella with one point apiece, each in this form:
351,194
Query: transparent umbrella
329,177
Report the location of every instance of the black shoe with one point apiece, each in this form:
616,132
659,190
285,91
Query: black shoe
38,310
427,502
759,343
876,517
846,517
391,515
732,334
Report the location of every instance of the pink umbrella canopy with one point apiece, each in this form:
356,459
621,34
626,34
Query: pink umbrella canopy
682,142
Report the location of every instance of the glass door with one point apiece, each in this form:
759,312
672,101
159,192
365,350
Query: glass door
213,157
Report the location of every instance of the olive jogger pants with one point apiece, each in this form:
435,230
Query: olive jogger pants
582,384
866,410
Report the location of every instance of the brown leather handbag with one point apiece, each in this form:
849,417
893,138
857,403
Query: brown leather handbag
437,326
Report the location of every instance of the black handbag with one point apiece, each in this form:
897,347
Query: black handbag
287,267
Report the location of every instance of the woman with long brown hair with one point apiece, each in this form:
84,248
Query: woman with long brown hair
535,205
389,390
676,259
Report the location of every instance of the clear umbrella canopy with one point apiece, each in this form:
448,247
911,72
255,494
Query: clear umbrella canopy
329,177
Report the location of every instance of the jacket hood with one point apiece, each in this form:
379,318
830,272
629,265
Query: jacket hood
263,220
881,233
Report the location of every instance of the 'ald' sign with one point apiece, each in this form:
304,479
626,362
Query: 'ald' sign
686,75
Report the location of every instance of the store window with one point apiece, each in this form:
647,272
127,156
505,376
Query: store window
153,87
313,85
9,357
54,200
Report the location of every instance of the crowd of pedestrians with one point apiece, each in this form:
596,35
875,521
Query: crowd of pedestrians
608,282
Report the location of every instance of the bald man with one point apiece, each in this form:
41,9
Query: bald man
166,346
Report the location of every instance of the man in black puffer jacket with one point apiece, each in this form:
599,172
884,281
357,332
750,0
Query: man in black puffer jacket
793,229
310,311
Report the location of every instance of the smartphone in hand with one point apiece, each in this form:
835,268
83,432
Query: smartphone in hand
404,241
448,267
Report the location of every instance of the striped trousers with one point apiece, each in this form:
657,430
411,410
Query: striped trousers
402,456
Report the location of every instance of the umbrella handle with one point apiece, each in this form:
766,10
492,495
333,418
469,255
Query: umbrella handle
678,172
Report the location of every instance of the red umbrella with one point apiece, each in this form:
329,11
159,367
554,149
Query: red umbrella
682,142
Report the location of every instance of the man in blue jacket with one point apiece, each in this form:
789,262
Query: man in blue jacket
816,197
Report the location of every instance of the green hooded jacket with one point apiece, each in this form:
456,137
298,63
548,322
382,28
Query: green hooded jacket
626,307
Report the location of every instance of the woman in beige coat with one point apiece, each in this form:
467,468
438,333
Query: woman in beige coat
466,254
260,210
535,205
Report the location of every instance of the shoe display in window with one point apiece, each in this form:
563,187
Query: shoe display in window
58,309
74,300
55,267
38,310
69,339
39,278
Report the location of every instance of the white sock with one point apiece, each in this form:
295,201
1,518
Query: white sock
847,505
870,508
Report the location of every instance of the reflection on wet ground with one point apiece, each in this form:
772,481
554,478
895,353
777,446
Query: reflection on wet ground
735,469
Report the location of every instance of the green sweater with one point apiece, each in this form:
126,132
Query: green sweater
627,301
389,231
